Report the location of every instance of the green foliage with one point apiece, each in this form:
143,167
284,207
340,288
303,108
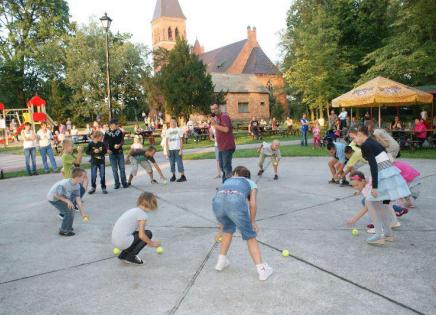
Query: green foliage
31,38
86,74
185,85
409,52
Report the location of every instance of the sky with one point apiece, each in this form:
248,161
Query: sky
215,23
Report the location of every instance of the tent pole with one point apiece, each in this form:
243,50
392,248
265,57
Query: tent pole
379,116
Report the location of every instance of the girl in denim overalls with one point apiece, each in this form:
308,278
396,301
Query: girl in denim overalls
230,206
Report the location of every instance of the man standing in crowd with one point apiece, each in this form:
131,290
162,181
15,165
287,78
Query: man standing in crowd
114,140
225,139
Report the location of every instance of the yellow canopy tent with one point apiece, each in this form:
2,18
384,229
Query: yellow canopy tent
380,92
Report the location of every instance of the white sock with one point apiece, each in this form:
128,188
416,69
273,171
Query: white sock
222,257
259,267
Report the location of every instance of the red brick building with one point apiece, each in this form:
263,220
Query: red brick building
241,69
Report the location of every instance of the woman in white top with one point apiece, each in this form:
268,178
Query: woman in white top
29,145
44,137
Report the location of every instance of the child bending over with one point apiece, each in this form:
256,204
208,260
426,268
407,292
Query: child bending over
235,207
269,150
129,233
145,158
63,195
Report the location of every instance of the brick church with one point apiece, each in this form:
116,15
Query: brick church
241,69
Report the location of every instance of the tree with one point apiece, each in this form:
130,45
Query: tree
409,52
184,82
86,75
314,65
31,40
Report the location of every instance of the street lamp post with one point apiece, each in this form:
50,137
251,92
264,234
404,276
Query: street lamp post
106,23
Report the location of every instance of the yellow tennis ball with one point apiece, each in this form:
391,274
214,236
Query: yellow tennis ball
285,253
116,251
159,250
85,219
355,232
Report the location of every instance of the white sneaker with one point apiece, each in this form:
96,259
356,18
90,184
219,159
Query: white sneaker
264,271
395,225
222,263
370,231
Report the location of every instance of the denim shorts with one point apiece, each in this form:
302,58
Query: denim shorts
231,210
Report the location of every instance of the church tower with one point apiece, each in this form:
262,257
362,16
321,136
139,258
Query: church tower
168,24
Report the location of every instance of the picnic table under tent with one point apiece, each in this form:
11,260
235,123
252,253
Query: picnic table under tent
380,92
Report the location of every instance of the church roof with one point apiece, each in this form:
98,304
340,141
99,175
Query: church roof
220,59
237,83
168,8
259,63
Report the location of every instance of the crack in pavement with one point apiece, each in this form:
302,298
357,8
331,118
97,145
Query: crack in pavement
57,270
192,281
331,273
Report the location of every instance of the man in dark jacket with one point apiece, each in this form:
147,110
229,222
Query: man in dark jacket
114,140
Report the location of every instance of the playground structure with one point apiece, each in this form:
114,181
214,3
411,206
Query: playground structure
35,113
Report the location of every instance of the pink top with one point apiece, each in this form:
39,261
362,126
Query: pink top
421,130
407,171
316,131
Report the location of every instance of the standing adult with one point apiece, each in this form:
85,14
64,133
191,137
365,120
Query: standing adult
304,129
225,139
332,119
44,137
114,139
68,124
343,119
29,146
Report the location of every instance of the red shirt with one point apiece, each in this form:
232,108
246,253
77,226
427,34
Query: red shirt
225,140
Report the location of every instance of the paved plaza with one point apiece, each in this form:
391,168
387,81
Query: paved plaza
329,270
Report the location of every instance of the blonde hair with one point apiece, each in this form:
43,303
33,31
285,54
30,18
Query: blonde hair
276,142
67,141
77,172
97,134
147,200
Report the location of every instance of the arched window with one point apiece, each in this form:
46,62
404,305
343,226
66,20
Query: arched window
177,33
170,33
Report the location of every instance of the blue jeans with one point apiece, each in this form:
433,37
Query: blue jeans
48,151
225,159
73,196
67,222
30,153
304,137
174,158
117,162
231,210
101,168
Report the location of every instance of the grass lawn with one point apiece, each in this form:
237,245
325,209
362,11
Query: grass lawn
241,138
297,150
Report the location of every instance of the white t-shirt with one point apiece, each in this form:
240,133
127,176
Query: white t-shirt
44,137
137,146
28,143
174,136
125,226
343,115
268,151
65,188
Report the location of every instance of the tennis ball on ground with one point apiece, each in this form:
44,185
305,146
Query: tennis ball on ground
164,182
285,253
159,250
354,232
116,251
85,219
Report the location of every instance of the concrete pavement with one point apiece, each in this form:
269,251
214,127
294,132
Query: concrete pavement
329,271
